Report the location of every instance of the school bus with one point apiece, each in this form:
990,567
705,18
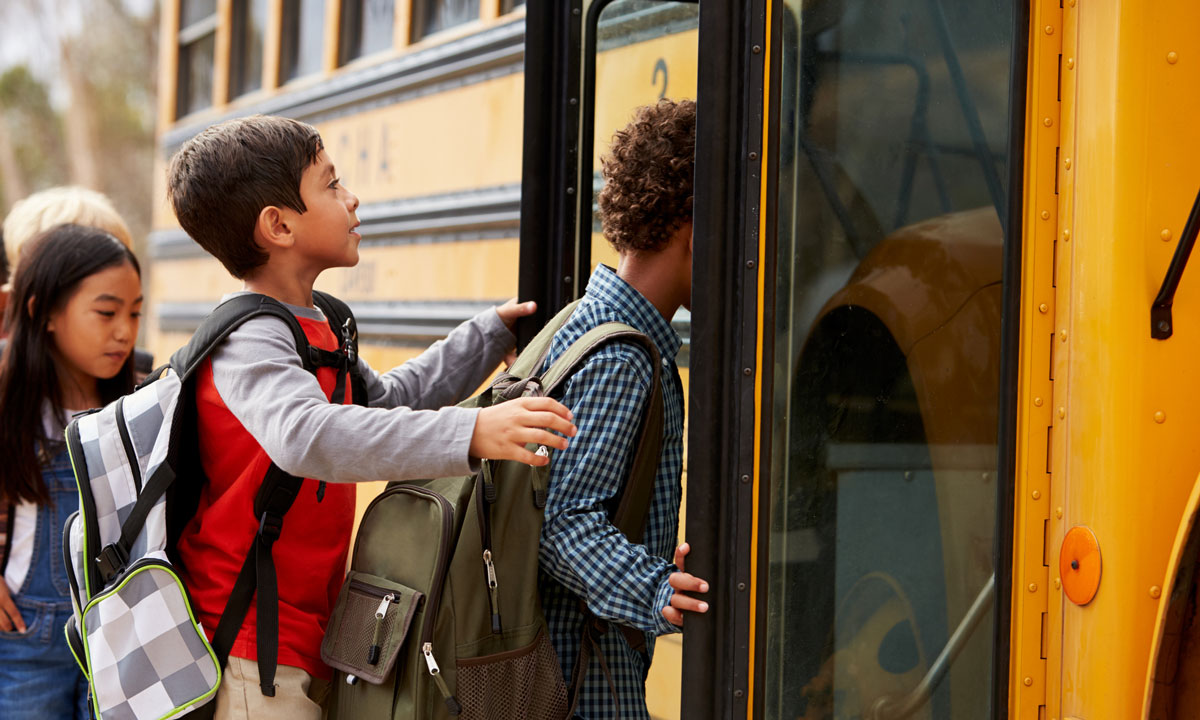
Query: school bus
939,360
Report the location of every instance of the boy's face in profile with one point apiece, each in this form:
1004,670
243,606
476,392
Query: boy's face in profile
325,231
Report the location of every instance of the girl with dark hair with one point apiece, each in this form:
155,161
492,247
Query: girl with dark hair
72,319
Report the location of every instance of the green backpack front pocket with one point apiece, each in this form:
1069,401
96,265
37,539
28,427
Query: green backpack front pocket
369,625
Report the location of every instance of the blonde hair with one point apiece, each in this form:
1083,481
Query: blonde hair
67,204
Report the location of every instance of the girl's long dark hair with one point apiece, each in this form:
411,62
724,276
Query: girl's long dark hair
59,259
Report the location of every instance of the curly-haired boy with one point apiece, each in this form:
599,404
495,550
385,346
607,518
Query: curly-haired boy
646,210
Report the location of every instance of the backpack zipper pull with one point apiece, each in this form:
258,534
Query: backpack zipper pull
451,704
380,614
493,600
320,491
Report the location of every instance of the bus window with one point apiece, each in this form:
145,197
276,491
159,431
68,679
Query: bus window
367,27
197,45
431,16
303,38
893,130
246,52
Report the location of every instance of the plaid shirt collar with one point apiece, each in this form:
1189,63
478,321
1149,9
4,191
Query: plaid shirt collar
607,288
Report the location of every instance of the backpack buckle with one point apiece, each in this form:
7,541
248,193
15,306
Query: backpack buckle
350,340
269,527
111,561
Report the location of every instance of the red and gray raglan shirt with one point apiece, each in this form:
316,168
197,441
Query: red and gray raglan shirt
256,403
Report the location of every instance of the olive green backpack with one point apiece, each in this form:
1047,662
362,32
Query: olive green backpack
440,615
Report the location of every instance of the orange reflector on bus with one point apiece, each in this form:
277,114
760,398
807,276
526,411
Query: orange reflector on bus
1079,565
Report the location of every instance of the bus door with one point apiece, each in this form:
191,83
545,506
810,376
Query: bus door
845,436
589,65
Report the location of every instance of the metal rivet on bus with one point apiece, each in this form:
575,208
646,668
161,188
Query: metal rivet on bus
1037,402
1155,591
1057,583
1037,494
1045,214
756,49
1032,587
1043,308
749,264
1071,3
738,693
1172,58
1070,63
1062,335
1049,29
575,11
570,191
1067,163
1062,412
1165,234
747,372
753,156
573,101
1028,681
1058,513
741,586
1160,417
1047,122
1066,236
745,479
908,475
985,476
567,279
1164,326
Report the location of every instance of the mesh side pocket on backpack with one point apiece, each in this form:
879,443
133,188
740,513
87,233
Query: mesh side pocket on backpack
369,625
523,683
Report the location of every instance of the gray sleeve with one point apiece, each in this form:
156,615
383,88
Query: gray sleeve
259,377
446,373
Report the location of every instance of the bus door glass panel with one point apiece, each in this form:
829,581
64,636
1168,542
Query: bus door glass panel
640,51
893,121
644,50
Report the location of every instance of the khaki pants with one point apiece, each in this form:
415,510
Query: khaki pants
298,695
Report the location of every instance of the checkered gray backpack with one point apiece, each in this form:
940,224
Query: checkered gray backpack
137,466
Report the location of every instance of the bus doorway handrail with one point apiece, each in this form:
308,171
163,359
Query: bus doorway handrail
890,707
1162,325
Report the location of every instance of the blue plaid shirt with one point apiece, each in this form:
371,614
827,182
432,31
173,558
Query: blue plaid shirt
582,555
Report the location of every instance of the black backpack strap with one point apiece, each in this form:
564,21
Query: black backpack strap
227,317
257,579
341,321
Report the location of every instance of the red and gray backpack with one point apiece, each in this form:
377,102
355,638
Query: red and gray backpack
137,466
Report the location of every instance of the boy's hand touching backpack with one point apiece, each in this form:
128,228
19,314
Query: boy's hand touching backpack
502,431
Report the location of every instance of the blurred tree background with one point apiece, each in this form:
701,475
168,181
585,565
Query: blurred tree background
77,87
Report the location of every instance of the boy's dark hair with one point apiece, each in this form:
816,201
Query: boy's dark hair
221,179
648,173
59,260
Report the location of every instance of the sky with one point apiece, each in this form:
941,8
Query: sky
20,40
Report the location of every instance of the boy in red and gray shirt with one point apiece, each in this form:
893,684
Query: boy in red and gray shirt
262,196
